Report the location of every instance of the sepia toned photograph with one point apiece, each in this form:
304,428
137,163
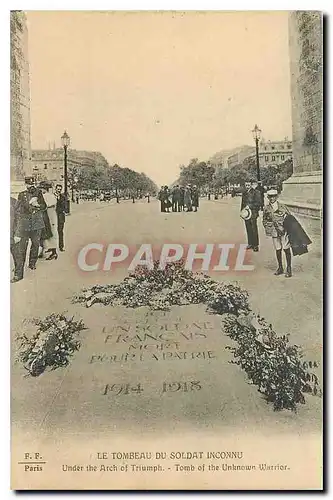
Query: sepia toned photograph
166,215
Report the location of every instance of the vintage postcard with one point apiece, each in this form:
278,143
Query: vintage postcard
166,250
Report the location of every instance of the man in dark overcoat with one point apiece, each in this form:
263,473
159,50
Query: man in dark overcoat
13,239
175,197
252,199
181,198
61,208
161,197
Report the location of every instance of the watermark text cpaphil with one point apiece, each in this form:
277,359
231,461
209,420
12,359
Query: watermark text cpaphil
216,257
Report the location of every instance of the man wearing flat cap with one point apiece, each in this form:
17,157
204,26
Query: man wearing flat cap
273,221
29,225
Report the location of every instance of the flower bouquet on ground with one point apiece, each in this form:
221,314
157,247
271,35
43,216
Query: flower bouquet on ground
53,344
160,289
228,298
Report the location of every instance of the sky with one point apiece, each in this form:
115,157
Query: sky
150,90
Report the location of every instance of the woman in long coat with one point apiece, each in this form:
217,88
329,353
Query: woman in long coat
49,234
168,202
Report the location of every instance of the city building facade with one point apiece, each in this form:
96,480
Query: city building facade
270,153
20,139
231,157
220,160
48,164
274,152
239,154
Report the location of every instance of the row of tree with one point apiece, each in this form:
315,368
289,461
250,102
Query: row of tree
128,183
206,177
270,175
124,181
197,173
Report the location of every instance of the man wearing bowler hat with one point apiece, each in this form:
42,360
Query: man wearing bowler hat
29,225
250,206
273,219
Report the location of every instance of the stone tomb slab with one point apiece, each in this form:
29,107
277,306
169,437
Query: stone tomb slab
153,371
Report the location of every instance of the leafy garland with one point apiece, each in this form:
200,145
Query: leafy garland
269,360
53,344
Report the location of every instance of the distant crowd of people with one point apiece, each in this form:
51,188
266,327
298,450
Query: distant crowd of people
179,198
38,216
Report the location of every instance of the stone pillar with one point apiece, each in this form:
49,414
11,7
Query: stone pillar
302,192
20,141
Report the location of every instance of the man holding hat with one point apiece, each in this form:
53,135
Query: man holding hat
273,219
30,204
250,206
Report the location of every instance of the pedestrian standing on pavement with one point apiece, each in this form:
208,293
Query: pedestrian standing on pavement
49,235
61,215
251,199
161,197
273,222
195,198
181,198
167,196
188,199
30,204
175,197
13,239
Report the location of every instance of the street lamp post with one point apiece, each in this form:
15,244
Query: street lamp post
256,136
65,141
